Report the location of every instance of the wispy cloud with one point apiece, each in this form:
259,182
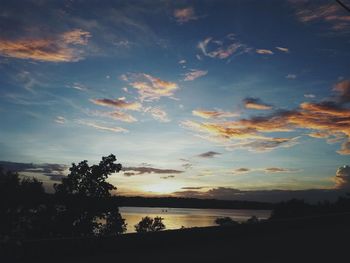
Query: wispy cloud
213,114
222,49
195,74
60,120
283,49
332,14
267,170
120,103
116,115
101,127
256,104
184,15
264,51
140,170
60,48
210,154
291,76
157,113
150,88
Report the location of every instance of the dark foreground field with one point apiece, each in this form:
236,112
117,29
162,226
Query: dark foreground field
318,239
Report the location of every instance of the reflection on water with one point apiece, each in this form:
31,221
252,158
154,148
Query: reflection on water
175,218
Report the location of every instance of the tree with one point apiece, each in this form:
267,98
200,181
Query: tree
225,221
89,181
22,201
85,200
148,224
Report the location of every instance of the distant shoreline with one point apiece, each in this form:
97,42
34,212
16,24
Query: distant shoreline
181,202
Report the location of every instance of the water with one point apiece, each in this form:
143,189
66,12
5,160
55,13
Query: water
175,218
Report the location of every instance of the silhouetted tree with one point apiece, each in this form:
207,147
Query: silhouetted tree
22,202
85,200
89,181
252,220
148,224
225,221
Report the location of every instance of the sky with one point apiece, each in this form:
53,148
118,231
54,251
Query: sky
209,99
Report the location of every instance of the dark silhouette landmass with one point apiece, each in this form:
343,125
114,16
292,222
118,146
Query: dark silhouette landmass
81,222
182,202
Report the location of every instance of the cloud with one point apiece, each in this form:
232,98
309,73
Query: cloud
117,115
60,48
273,195
195,74
310,96
60,120
209,154
120,103
167,177
342,177
264,51
279,170
291,76
208,114
264,145
256,104
345,148
283,49
151,88
343,90
101,127
158,114
241,170
222,49
185,15
55,172
331,14
268,170
193,187
182,61
140,170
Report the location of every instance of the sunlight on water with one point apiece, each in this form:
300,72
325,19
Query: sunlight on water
175,218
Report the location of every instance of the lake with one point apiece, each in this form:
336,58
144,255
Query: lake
175,218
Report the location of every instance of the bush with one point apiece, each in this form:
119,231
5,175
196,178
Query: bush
225,221
148,224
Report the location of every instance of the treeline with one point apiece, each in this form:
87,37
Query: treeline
81,205
297,208
180,202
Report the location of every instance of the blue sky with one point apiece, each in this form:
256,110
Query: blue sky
191,96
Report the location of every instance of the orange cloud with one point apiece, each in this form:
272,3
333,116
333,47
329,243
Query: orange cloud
343,89
118,103
151,88
333,14
206,114
61,48
184,15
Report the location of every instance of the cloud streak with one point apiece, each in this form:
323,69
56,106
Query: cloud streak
150,88
213,114
195,74
60,48
256,104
